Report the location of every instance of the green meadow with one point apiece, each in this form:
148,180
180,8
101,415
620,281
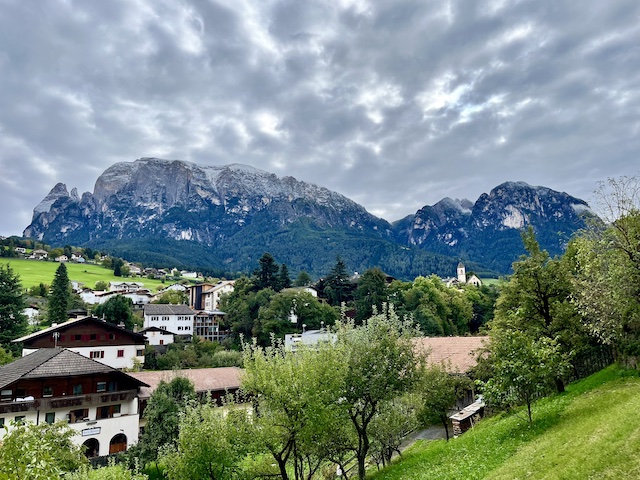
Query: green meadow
590,431
34,272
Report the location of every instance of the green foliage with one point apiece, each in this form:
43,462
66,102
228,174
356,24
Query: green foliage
212,443
113,471
438,391
39,452
118,309
380,365
303,279
173,297
390,427
297,412
60,297
13,323
524,368
583,433
162,415
284,281
337,287
101,285
5,356
266,275
371,292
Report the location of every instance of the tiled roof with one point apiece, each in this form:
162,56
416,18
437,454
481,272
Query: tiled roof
458,354
165,309
204,379
76,321
50,362
156,329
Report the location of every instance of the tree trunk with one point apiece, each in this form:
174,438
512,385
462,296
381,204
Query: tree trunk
445,423
559,384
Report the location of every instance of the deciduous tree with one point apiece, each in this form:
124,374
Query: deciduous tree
117,310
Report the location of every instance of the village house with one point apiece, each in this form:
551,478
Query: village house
21,250
207,325
158,337
211,296
39,254
62,258
463,278
139,297
92,338
173,318
51,384
125,287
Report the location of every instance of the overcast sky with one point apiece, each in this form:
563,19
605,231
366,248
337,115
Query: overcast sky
395,104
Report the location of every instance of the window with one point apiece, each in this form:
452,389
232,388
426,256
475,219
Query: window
93,336
139,353
77,389
112,336
107,411
19,419
6,394
47,391
101,387
96,354
120,353
113,386
1,422
50,417
161,342
78,415
77,337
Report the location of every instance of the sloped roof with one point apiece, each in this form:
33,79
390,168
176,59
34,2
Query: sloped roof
457,354
156,329
77,321
53,362
167,309
203,379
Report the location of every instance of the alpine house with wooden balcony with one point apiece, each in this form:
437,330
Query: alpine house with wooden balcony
51,384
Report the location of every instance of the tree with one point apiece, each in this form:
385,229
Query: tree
371,292
101,285
296,403
389,428
173,297
439,391
523,368
60,296
337,286
537,300
303,279
284,281
113,471
43,451
607,260
266,275
117,310
211,444
13,323
162,415
380,365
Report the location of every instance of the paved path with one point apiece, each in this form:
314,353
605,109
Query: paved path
434,432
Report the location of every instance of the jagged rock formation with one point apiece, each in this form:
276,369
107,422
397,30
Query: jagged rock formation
489,230
227,216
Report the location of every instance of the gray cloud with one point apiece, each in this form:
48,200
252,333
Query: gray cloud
395,104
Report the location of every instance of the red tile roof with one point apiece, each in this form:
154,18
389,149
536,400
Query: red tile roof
458,354
203,379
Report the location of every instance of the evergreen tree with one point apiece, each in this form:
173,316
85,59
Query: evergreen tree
266,275
303,279
337,286
60,296
284,281
13,323
371,291
117,266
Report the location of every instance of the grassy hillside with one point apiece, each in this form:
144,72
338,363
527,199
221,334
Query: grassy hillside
590,431
34,272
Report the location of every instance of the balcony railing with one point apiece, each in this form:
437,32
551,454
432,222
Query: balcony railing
51,403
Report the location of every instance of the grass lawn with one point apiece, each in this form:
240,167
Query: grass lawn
590,431
34,272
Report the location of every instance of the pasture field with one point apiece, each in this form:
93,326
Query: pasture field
34,272
588,432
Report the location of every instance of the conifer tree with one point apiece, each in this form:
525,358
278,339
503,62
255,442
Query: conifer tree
60,297
13,323
284,281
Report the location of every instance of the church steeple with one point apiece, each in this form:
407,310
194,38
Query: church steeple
462,273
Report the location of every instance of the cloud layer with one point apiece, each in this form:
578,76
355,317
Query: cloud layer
394,103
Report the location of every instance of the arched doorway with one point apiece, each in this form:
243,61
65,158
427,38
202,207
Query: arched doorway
91,448
118,443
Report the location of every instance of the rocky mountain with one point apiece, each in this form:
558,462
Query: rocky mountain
171,211
489,229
